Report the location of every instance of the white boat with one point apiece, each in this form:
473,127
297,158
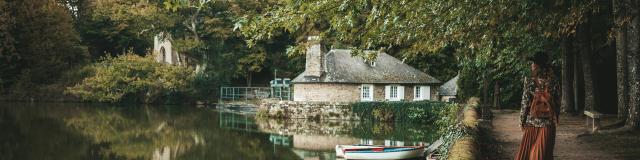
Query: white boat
340,148
381,153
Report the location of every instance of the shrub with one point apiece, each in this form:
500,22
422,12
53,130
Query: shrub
134,78
383,114
459,129
412,112
463,149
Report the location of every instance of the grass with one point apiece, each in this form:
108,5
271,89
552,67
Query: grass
466,147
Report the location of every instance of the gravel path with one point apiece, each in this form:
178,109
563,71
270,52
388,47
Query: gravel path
568,146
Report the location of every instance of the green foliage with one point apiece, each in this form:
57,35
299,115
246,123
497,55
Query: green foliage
457,122
118,25
394,131
46,42
7,48
442,65
451,121
399,112
134,78
417,26
489,38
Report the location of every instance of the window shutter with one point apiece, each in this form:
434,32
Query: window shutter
387,92
362,92
400,92
426,92
372,92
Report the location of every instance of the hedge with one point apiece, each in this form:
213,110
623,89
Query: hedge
403,112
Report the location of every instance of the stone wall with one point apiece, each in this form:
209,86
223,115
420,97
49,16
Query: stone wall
309,110
326,92
338,92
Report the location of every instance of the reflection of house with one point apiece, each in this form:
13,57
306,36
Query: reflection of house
337,76
449,90
164,52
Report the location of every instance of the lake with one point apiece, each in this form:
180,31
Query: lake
36,131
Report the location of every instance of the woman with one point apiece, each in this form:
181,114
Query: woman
539,112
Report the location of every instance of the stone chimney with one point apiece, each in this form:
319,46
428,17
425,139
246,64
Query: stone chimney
314,64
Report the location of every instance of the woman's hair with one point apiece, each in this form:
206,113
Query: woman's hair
541,59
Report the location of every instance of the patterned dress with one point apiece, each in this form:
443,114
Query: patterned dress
527,96
539,134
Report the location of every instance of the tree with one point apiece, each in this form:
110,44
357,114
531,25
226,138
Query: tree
513,29
585,51
116,26
131,77
567,103
7,50
46,41
621,58
633,42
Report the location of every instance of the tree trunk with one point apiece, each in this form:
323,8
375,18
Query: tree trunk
621,61
633,38
496,96
485,91
249,79
576,81
585,51
567,87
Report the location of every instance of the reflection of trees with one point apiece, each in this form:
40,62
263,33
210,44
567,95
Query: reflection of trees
395,131
358,129
35,134
137,137
64,131
305,126
179,134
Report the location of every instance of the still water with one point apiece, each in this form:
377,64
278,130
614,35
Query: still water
40,131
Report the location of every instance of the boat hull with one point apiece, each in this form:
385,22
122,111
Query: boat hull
340,148
387,153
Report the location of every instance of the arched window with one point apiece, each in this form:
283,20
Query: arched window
164,54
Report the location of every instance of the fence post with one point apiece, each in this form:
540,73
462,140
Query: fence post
221,94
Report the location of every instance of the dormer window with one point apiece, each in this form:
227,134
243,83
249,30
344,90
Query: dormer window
372,63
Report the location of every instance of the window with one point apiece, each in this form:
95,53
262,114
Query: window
372,63
418,94
164,54
393,92
366,92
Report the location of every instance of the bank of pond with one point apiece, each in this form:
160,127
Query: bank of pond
101,131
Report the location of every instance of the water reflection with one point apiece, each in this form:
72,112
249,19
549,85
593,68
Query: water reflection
81,131
317,139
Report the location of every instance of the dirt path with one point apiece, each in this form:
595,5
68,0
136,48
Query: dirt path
568,146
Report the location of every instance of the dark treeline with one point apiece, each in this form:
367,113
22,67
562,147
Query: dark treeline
48,46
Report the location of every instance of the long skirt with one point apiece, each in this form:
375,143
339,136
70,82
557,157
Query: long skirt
537,143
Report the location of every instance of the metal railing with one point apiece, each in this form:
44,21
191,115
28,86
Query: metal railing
244,93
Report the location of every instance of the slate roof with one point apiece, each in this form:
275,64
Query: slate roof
450,88
341,67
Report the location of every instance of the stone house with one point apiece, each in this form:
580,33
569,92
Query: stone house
449,90
337,76
164,53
